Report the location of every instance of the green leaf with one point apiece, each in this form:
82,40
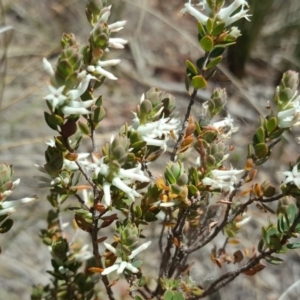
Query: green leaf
199,82
297,229
98,114
260,245
218,29
149,216
229,233
261,150
274,260
295,245
276,133
214,62
201,29
271,124
272,230
291,213
209,25
6,225
192,189
178,296
84,128
138,212
138,297
207,43
259,136
217,52
191,67
142,281
168,295
200,63
169,175
50,121
224,45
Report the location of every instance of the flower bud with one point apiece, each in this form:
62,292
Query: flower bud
287,88
217,101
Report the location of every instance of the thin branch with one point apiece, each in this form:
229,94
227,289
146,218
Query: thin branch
184,125
86,176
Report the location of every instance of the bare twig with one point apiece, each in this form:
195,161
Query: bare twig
184,124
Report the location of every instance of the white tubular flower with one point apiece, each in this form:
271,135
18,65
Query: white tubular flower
243,222
188,8
83,85
224,14
99,70
226,124
156,133
291,116
120,265
121,185
106,190
293,176
72,166
228,121
222,179
117,43
7,211
10,206
110,62
48,67
83,254
141,248
117,26
67,110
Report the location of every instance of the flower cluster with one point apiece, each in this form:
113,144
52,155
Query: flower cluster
223,14
121,264
292,176
69,101
222,179
6,189
120,178
156,133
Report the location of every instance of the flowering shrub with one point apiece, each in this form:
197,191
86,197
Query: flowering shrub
115,188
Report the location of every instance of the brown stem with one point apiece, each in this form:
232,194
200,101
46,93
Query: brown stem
184,125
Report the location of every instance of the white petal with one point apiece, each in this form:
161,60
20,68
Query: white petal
67,110
14,203
110,248
105,73
84,104
225,13
110,269
195,13
111,62
139,249
131,268
48,67
122,266
7,211
107,195
16,182
117,26
131,193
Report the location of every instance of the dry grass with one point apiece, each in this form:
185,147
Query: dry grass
160,41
